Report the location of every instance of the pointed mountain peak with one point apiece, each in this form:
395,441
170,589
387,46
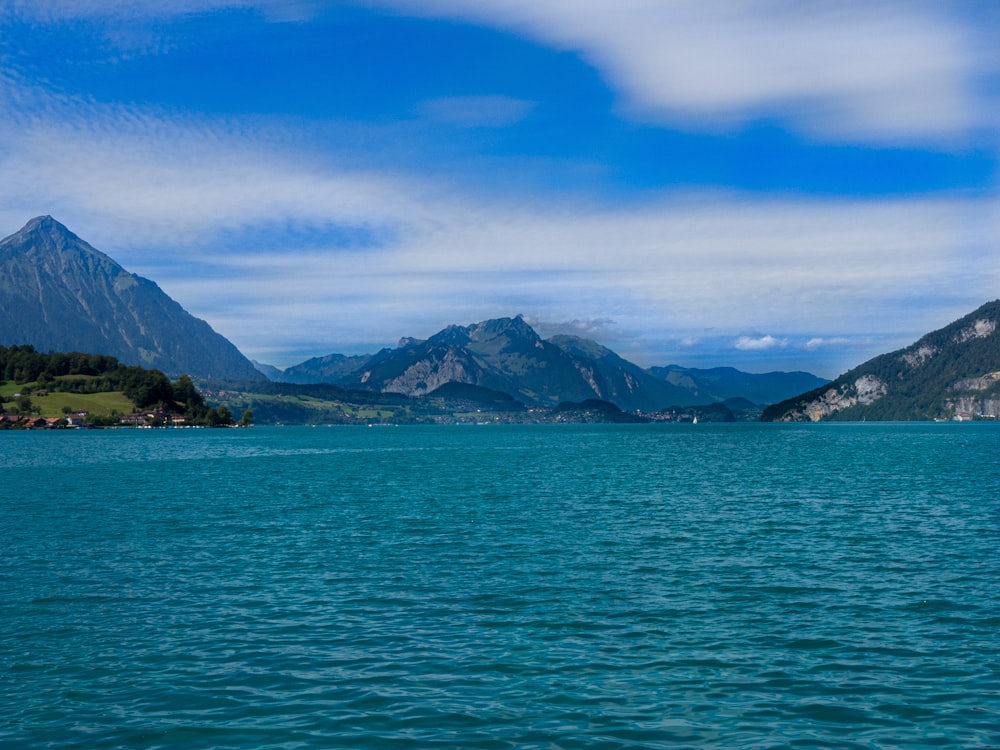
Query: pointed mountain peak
44,237
486,330
62,294
515,327
46,225
39,221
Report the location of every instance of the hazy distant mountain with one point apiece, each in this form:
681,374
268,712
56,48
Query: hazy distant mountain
268,371
333,368
947,373
58,293
508,356
721,383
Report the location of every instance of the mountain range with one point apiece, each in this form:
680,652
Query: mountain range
507,355
951,373
58,293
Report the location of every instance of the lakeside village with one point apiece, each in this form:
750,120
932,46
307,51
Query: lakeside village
74,390
149,419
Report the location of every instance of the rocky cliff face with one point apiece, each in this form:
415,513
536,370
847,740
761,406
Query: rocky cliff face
951,372
58,293
864,390
979,396
619,381
426,375
504,354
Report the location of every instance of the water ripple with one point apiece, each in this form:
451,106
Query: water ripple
747,586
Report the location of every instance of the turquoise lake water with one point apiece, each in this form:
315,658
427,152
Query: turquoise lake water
634,586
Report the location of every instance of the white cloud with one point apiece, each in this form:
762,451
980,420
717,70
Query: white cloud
489,111
596,329
888,70
144,175
665,270
129,28
130,10
820,342
759,343
170,198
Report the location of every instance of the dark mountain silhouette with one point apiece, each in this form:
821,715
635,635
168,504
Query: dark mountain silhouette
268,371
57,293
951,372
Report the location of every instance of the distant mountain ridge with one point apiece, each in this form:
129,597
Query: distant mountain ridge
58,293
503,354
723,383
506,355
953,372
332,368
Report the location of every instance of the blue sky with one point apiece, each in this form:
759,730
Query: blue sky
765,185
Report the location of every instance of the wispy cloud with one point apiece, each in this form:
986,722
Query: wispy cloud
759,343
889,71
151,175
124,29
597,329
48,11
167,195
266,232
871,71
720,265
488,111
820,342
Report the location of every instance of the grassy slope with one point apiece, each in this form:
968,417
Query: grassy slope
52,404
95,403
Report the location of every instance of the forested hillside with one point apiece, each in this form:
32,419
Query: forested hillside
951,373
39,374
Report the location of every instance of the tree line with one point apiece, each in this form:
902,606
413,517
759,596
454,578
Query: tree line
79,372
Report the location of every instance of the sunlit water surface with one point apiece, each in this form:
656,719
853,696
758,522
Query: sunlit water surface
702,586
